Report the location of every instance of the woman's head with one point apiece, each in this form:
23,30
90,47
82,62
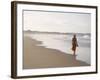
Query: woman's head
74,35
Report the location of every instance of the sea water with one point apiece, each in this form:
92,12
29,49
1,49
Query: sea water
63,43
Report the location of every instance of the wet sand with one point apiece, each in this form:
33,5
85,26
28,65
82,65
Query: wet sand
40,57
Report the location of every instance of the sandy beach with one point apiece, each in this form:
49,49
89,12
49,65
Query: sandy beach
40,57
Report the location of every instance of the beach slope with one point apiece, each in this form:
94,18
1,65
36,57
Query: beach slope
40,57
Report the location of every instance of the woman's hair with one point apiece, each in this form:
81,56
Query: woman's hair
74,35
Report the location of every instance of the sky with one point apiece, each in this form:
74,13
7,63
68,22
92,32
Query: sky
66,22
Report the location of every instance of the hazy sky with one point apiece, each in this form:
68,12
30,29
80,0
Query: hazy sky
57,21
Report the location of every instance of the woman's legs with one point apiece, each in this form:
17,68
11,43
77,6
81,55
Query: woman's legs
74,49
74,52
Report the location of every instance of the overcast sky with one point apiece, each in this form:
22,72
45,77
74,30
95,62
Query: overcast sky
57,21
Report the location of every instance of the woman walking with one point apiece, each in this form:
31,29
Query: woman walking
74,44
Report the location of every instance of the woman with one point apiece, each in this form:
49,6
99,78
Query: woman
74,44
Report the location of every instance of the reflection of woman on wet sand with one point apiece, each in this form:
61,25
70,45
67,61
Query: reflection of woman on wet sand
74,44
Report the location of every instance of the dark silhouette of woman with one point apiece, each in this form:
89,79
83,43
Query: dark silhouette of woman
74,44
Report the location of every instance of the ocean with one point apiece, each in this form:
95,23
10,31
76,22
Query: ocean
63,43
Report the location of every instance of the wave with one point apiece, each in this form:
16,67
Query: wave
86,37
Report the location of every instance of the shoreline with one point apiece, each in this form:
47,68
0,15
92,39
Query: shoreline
40,57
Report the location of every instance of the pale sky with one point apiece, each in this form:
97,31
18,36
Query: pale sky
57,21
